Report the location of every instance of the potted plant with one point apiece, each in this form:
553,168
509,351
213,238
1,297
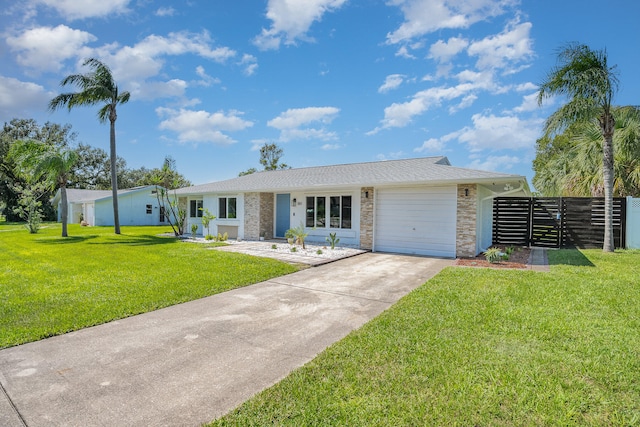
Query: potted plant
289,236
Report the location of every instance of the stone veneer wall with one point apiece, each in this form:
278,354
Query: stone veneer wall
258,215
466,222
366,218
251,216
266,214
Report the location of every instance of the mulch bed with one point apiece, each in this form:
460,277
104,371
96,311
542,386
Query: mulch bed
518,259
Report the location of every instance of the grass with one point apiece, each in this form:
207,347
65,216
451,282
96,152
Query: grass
50,285
481,347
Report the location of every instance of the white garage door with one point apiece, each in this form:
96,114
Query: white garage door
416,220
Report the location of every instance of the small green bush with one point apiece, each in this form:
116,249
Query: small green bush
274,246
208,237
493,254
293,249
319,251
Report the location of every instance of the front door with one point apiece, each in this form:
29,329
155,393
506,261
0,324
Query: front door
283,212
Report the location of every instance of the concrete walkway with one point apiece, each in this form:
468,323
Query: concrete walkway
191,363
538,260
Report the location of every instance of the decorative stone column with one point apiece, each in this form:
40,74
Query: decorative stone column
258,215
466,220
366,217
266,215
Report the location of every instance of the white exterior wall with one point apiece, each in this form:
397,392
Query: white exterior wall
348,237
484,234
211,202
633,223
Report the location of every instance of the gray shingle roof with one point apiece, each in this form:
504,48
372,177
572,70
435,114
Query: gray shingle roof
426,170
75,195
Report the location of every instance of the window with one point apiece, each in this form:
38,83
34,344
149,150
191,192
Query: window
339,212
162,214
149,209
195,209
227,207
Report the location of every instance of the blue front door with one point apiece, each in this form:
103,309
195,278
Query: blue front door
283,210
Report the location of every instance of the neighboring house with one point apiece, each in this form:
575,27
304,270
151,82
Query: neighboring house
136,206
419,206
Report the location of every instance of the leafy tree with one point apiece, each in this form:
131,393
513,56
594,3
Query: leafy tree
29,208
53,164
270,155
97,87
248,172
165,179
584,76
50,134
570,163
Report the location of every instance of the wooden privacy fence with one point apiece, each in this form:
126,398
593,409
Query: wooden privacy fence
556,222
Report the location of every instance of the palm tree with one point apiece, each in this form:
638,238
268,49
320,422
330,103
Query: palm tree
584,76
97,87
55,166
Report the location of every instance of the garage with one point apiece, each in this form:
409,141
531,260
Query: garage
416,220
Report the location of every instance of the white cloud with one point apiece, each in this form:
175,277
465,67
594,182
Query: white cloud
529,103
18,98
250,64
73,9
296,117
133,65
331,147
502,50
431,145
45,48
401,114
443,51
202,126
205,79
173,88
495,163
291,20
293,123
500,133
426,16
403,52
165,11
393,81
391,156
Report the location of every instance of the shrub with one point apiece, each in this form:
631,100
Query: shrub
319,251
493,254
333,240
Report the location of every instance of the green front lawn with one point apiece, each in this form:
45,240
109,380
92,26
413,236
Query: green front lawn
481,347
50,285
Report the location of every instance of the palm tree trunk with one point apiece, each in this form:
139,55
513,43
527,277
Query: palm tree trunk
607,123
64,210
114,175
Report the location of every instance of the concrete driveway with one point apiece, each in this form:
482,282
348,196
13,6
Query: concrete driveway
191,363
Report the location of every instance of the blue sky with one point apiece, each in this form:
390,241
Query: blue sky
329,81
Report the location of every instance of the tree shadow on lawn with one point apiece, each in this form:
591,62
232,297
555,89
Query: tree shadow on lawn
66,240
568,257
137,240
124,240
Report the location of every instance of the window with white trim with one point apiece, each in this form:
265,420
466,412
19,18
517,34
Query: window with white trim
337,216
149,209
227,207
195,209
